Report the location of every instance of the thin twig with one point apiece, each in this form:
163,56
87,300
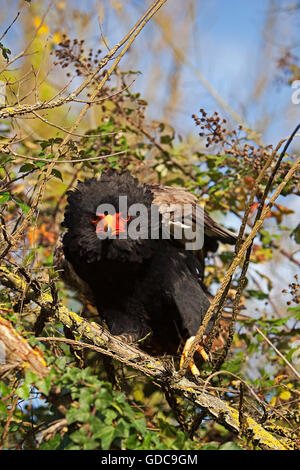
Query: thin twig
8,28
99,157
279,353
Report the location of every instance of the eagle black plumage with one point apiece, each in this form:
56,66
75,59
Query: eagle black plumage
146,290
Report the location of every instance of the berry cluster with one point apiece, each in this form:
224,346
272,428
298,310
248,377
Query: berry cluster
294,291
212,127
72,52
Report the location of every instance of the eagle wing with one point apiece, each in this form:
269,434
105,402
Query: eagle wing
168,198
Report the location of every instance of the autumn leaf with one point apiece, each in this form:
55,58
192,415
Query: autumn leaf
256,205
284,210
249,181
285,395
56,39
44,29
41,234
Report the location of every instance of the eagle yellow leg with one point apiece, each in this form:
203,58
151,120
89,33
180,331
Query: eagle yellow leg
194,369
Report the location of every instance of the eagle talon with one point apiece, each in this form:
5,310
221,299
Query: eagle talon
192,366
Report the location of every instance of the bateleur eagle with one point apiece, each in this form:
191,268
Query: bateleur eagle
147,289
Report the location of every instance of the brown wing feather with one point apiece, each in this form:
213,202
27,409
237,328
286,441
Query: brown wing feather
164,196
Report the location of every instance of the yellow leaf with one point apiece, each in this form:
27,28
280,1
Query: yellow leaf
279,378
284,210
139,395
110,105
56,37
273,401
117,6
61,5
30,145
285,395
44,29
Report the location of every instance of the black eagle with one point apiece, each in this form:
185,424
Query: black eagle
146,289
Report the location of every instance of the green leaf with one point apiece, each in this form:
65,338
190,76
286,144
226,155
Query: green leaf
24,391
86,398
107,436
52,444
295,312
122,429
110,415
29,258
140,425
209,447
44,385
76,414
4,197
4,389
5,51
91,444
79,436
296,234
132,442
3,408
230,446
14,428
61,362
57,174
26,167
24,207
165,139
116,406
258,294
30,377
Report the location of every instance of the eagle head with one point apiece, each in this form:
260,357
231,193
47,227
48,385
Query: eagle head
97,219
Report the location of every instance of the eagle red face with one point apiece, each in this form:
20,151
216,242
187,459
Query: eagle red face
114,224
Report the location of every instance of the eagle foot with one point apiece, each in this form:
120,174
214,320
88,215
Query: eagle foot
192,366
